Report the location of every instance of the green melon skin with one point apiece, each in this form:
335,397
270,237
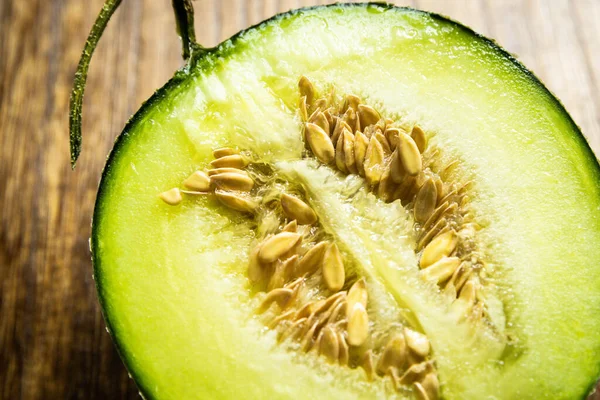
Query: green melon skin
172,280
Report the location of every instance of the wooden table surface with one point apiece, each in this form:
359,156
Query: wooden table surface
53,342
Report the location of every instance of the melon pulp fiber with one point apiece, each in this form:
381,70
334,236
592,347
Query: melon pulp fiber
172,280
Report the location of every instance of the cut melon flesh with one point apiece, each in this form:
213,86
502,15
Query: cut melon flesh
172,280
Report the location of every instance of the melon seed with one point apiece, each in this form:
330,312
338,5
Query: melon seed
302,107
416,372
358,325
344,354
417,342
172,196
340,161
281,296
409,154
198,181
236,201
232,181
360,150
425,201
296,209
312,259
329,344
232,161
348,152
441,246
358,294
351,101
441,270
394,354
373,161
320,143
306,89
224,151
367,115
333,268
277,245
290,227
217,171
419,137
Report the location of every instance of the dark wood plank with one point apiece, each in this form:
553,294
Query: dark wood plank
53,342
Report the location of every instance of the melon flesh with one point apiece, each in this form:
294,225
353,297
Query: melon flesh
172,280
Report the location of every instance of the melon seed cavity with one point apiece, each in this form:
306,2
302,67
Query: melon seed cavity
299,271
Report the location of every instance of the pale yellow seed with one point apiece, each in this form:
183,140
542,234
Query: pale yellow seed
320,143
283,272
352,101
431,386
303,109
197,181
172,196
417,342
296,209
339,128
441,270
232,161
396,168
360,150
256,270
394,354
393,137
430,233
232,181
368,115
312,259
386,187
351,119
416,372
357,295
392,373
290,227
348,150
358,325
409,154
384,143
368,365
293,330
419,137
419,392
319,105
374,162
344,354
439,185
281,296
236,201
333,268
306,89
277,245
330,121
463,305
329,344
307,339
441,246
216,171
224,151
340,161
425,201
321,121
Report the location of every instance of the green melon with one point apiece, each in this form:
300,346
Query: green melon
173,281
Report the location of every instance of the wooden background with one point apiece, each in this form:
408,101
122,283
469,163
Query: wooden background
53,343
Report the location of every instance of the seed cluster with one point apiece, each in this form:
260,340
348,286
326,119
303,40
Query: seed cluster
307,297
397,164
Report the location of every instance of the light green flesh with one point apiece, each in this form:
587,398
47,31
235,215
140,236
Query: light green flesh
172,280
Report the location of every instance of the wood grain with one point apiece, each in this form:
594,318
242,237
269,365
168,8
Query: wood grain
53,343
